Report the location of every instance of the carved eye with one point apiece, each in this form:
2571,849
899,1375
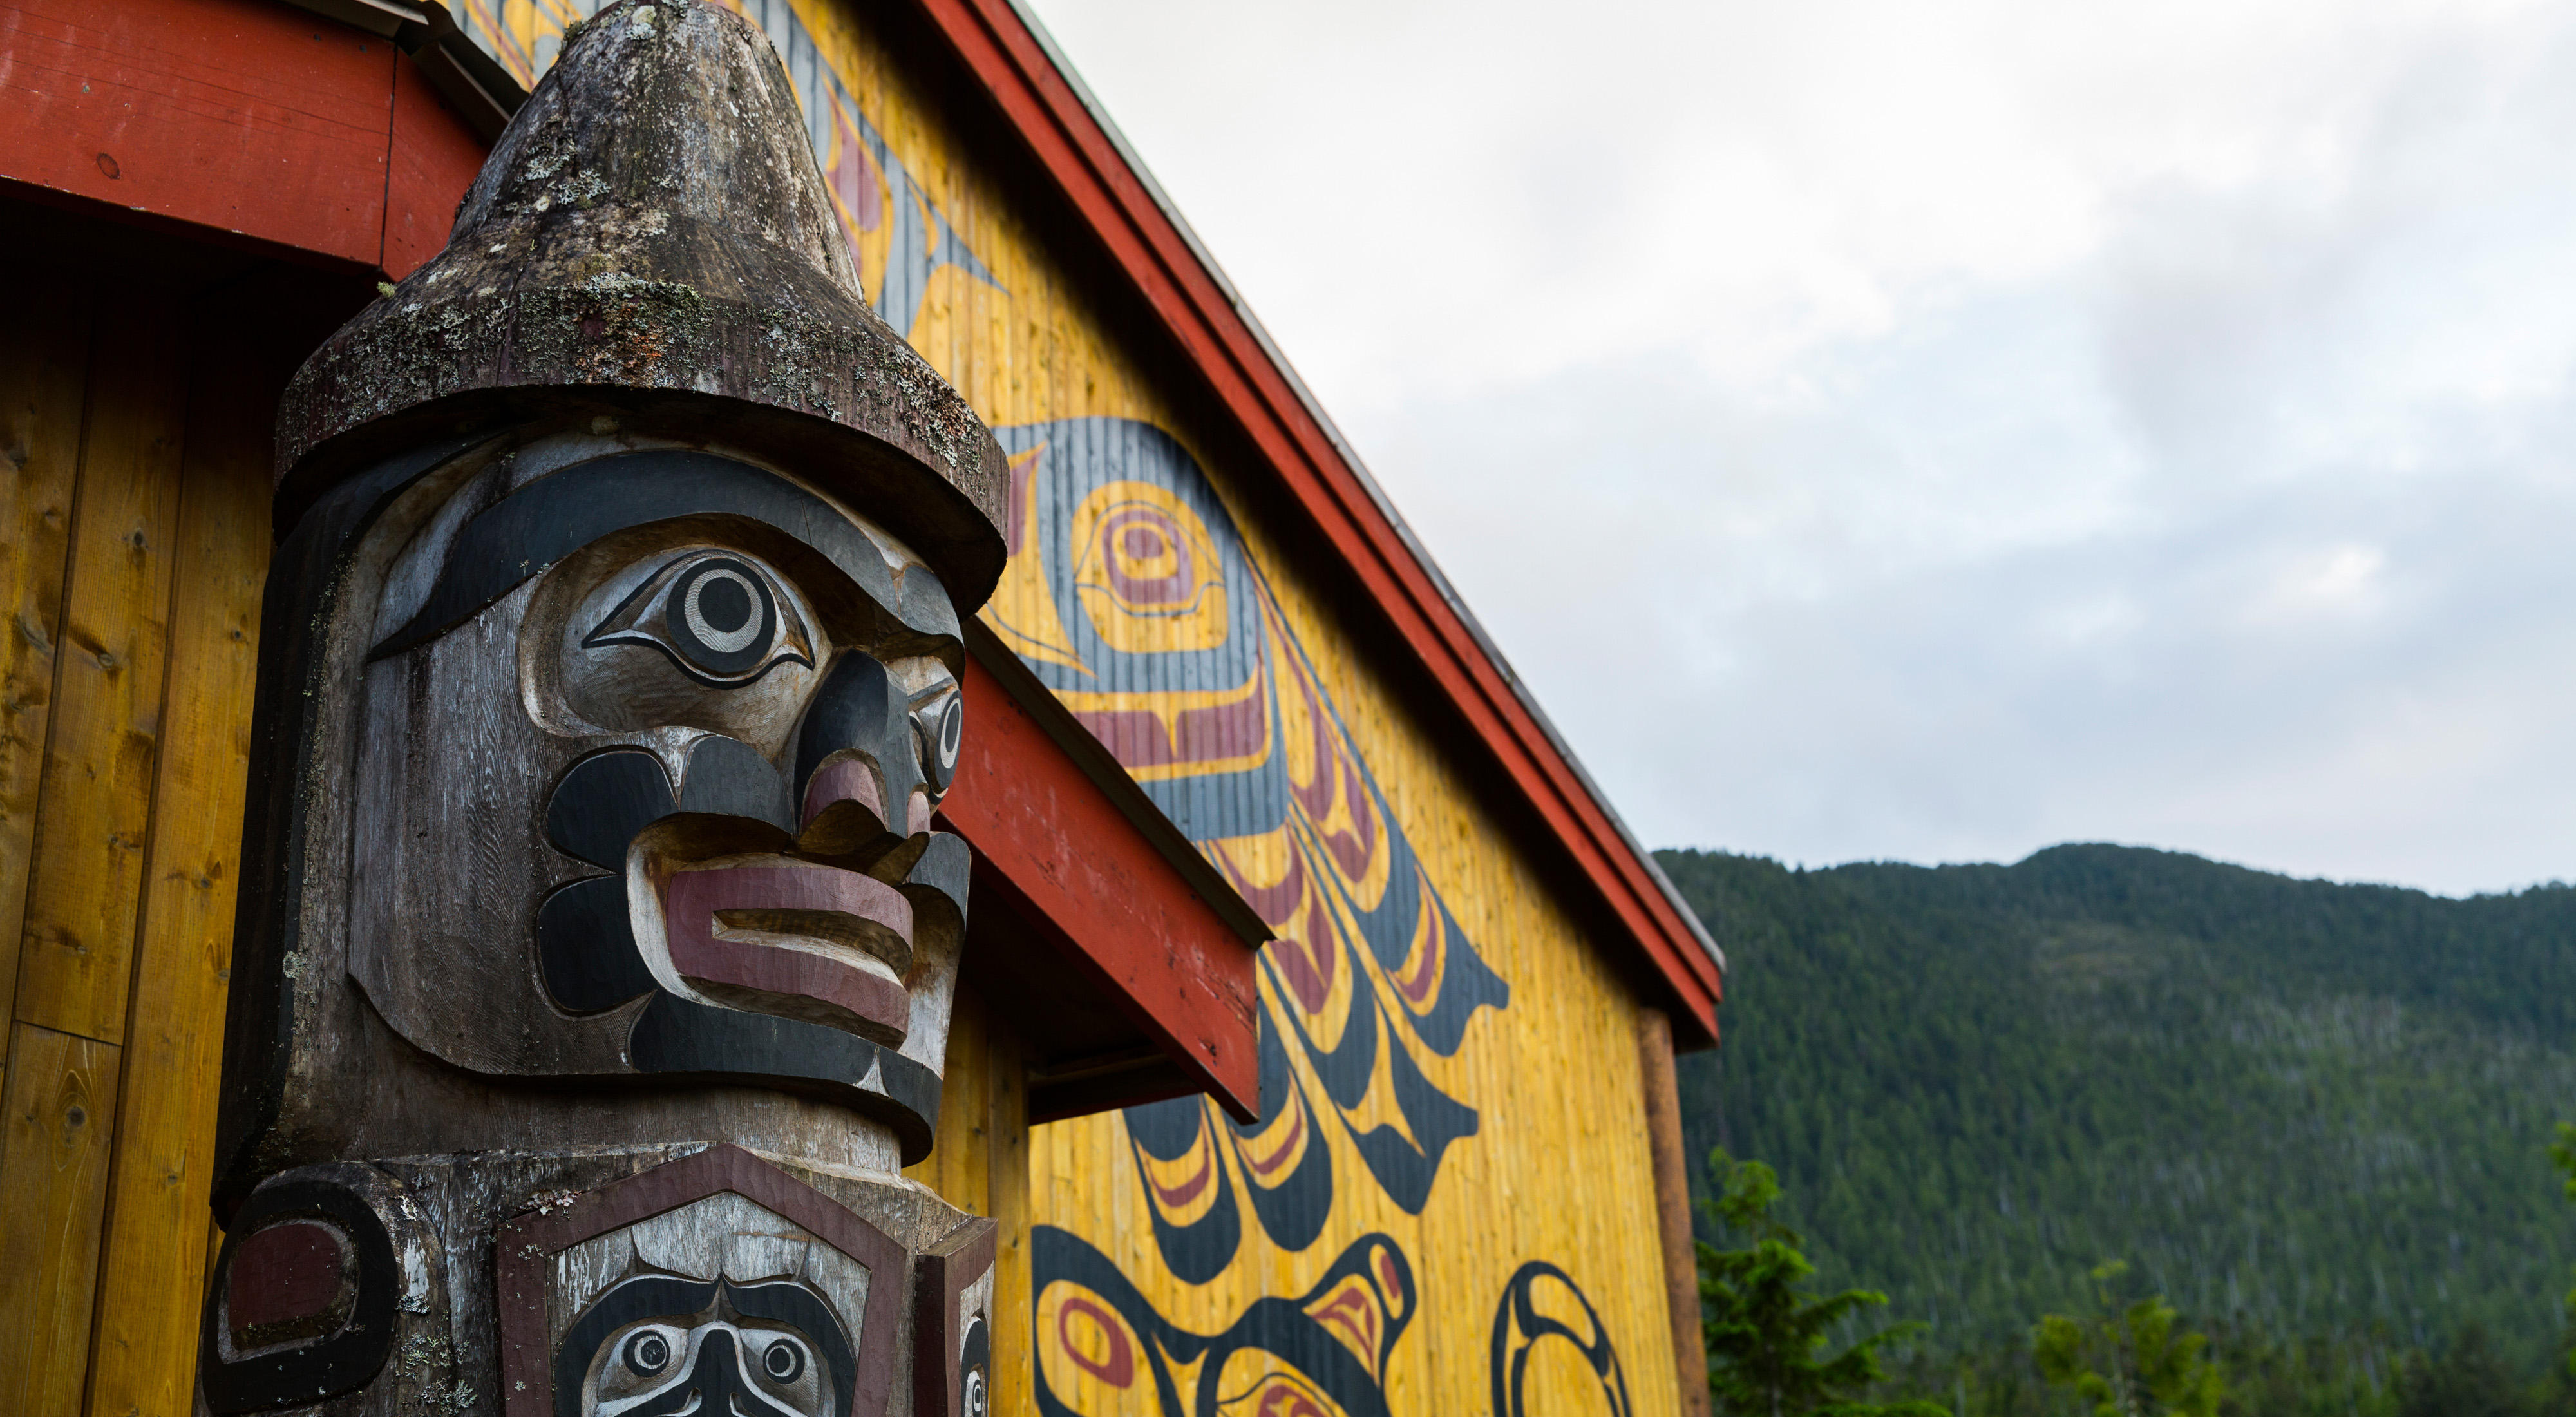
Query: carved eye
648,1353
975,1393
721,619
784,1361
938,726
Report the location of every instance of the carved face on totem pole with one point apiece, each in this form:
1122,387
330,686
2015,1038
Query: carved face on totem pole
612,677
649,741
597,946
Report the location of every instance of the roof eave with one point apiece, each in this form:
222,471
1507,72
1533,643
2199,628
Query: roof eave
1010,52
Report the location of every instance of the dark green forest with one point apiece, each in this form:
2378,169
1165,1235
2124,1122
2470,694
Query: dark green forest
2316,1117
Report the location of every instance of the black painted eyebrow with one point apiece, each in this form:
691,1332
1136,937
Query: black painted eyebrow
651,1296
531,529
670,1296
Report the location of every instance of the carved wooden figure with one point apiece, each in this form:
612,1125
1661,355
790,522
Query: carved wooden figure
597,951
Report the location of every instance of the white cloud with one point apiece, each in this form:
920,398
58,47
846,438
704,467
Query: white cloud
1889,430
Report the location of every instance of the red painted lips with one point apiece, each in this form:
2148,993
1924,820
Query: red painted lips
807,941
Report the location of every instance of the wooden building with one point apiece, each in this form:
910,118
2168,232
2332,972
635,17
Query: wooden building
1420,1156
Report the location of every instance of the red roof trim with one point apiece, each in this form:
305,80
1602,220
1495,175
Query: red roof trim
1007,55
1106,878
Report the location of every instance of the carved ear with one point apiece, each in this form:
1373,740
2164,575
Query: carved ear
323,1269
952,1326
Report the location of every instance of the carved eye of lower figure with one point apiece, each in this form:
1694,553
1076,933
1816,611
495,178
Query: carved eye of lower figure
720,618
784,1362
938,727
648,1353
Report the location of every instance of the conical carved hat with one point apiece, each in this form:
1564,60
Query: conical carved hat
651,236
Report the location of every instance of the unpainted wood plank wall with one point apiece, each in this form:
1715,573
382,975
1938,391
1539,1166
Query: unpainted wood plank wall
133,541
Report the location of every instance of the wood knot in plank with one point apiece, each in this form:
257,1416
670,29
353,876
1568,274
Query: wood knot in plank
58,939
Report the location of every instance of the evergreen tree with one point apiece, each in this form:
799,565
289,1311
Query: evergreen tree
2310,1111
2468,1380
2128,1362
1766,1337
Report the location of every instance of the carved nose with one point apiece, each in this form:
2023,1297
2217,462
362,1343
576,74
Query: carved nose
847,779
845,809
715,1386
857,762
856,746
714,1377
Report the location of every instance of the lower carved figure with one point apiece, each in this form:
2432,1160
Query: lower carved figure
656,1346
754,1294
694,1280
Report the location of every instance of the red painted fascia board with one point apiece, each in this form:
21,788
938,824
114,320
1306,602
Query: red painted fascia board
240,115
435,157
1194,306
245,122
1080,867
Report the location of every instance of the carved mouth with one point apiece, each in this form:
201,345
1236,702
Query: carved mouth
796,939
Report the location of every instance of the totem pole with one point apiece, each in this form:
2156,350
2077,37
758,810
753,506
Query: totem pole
596,950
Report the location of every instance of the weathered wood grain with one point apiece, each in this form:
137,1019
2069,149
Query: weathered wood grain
154,1262
95,800
56,1117
44,353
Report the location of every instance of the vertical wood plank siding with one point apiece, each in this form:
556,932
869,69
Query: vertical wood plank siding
136,537
138,521
94,806
152,1279
1545,1197
1556,1173
44,363
61,1101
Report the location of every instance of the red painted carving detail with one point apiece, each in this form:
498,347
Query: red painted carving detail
702,954
282,1276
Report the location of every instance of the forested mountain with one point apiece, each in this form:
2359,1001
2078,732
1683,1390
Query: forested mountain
2316,1109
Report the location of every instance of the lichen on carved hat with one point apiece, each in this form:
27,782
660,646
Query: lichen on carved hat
651,233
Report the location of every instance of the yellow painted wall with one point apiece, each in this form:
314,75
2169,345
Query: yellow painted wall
1190,637
1476,1202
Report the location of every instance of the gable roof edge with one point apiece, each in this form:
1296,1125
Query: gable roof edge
1011,53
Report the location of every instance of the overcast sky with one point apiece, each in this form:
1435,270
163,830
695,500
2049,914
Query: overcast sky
1936,431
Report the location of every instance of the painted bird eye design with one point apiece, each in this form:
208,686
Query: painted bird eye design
784,1362
723,620
648,1353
